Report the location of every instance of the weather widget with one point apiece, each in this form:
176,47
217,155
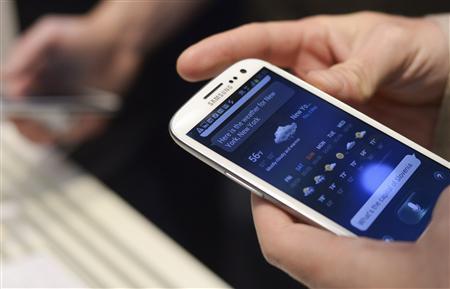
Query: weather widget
356,175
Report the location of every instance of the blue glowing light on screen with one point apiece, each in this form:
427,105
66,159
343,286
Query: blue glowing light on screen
373,175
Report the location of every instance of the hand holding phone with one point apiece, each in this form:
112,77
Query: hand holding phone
319,159
56,56
60,118
311,154
343,71
364,67
319,259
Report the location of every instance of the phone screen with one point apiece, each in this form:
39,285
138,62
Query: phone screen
331,161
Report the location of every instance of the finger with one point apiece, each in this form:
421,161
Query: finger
32,48
24,84
84,128
33,131
442,208
276,42
277,233
435,242
18,86
439,226
265,214
320,258
366,69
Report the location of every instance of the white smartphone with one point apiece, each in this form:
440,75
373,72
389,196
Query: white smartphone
311,154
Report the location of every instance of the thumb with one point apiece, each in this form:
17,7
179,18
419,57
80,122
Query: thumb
434,244
440,223
360,75
34,45
347,80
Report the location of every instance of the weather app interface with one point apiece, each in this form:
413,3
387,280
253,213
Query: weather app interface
356,175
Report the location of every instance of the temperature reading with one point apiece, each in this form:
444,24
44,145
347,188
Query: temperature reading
254,157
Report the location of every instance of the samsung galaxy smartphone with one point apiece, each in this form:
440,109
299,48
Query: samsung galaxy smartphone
311,154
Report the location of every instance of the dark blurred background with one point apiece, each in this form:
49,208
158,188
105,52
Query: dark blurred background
135,157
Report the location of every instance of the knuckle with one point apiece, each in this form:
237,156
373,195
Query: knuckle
314,273
251,26
51,29
52,25
368,14
271,254
393,32
319,20
50,20
357,79
273,248
356,71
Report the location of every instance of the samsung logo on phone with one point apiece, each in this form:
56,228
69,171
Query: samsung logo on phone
219,95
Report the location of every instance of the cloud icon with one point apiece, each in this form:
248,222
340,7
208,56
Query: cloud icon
283,133
360,134
330,167
350,145
308,191
319,179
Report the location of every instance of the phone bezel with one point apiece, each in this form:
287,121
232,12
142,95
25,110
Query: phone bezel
197,108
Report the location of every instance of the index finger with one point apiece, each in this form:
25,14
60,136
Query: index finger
33,46
275,42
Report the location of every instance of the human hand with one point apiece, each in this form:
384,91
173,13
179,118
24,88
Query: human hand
62,54
393,68
321,259
403,62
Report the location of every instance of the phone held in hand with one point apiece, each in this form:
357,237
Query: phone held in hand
57,112
311,154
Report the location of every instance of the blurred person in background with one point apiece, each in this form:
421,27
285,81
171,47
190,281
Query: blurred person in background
133,154
131,47
395,69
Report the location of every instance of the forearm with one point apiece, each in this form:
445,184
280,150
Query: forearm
141,25
442,143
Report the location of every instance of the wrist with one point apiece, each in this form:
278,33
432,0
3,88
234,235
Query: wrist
142,25
106,53
120,26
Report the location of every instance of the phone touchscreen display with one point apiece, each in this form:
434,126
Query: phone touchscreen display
335,163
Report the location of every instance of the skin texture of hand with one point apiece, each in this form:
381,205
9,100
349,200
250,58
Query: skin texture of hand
394,69
321,259
60,54
71,51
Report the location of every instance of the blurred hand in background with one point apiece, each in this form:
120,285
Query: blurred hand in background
102,49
